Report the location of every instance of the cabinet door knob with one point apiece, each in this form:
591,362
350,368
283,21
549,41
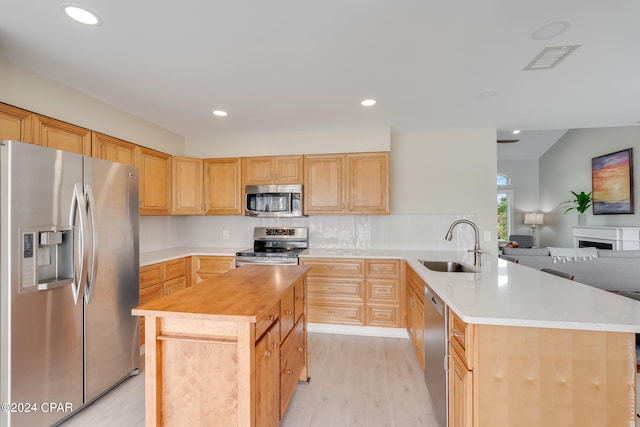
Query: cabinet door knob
271,317
267,353
288,312
301,349
289,372
300,299
456,333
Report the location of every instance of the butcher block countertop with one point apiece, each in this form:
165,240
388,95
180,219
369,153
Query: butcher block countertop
239,295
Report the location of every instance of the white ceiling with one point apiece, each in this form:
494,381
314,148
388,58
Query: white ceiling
297,65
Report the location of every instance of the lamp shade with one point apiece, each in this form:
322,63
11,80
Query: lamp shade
534,218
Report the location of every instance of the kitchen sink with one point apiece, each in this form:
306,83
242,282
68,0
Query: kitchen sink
449,266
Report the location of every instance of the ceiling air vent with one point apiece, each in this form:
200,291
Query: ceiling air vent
550,57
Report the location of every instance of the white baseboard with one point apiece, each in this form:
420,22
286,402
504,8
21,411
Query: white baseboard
371,331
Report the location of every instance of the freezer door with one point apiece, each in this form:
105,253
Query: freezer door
112,349
41,350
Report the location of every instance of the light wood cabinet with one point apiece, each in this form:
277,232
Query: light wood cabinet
155,181
53,133
15,123
561,373
355,183
272,170
106,147
187,186
268,377
222,186
161,279
362,292
208,267
415,313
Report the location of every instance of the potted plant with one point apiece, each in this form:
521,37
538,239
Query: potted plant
581,203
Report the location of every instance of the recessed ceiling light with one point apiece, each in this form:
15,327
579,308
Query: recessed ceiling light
82,16
368,102
550,30
517,131
219,113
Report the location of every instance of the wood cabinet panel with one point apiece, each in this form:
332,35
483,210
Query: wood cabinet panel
347,183
186,186
222,186
322,290
207,267
106,147
155,181
15,123
334,267
383,315
175,268
287,316
170,286
341,313
150,275
53,133
460,392
383,291
267,355
293,352
415,313
272,170
385,268
300,300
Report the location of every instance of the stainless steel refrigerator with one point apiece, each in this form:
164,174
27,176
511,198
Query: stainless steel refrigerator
69,279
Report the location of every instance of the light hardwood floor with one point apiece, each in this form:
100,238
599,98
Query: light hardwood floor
355,381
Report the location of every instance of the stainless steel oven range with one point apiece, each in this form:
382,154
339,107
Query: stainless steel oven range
275,246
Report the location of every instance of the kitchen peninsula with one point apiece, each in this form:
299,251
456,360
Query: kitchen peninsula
227,351
525,347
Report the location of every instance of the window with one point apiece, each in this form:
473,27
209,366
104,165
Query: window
504,205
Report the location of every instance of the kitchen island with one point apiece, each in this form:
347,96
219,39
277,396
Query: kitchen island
228,351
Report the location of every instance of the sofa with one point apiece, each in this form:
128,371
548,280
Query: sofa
610,270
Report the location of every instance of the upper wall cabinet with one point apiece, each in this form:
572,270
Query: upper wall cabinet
116,150
53,133
15,123
355,183
155,181
272,170
222,186
186,196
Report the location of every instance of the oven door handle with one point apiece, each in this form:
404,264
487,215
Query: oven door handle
240,263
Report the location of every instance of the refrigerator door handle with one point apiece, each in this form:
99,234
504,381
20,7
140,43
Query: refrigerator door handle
78,211
93,267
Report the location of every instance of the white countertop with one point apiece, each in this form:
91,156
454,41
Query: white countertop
503,293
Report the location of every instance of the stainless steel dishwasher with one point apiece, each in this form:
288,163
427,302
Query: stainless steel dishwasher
435,354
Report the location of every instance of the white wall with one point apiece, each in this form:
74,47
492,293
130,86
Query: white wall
524,177
33,92
567,167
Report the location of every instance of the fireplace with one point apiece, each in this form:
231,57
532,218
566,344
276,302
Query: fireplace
602,237
597,245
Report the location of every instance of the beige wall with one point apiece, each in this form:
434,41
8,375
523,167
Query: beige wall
33,92
446,172
566,167
283,143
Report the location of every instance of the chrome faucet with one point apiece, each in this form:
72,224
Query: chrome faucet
477,251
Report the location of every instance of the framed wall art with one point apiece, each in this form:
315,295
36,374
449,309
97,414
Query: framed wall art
612,181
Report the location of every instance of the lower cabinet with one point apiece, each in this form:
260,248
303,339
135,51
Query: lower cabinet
415,313
532,376
207,267
360,292
268,377
161,279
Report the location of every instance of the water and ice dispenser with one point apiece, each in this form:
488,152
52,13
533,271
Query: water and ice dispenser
46,258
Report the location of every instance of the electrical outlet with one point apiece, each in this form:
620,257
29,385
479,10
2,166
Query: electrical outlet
487,236
225,234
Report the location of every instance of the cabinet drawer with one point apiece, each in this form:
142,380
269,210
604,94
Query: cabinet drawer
383,315
150,274
338,313
334,267
292,353
380,290
416,283
286,313
299,299
173,285
174,268
323,289
461,336
215,264
266,319
383,268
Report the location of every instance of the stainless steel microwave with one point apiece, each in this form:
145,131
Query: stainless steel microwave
273,200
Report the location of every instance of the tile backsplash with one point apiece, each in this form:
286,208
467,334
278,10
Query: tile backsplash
415,231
